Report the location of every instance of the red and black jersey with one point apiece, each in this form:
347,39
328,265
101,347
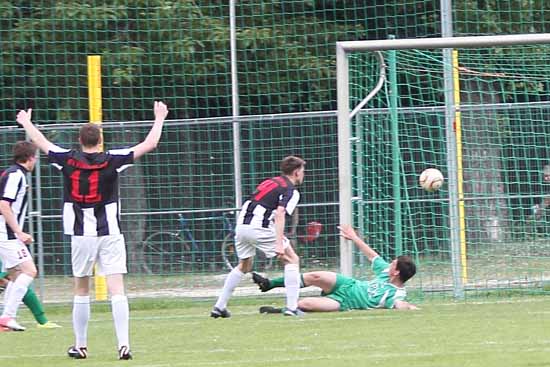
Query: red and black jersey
90,189
259,209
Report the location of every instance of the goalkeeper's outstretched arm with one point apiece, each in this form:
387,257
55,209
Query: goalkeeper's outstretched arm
349,233
404,305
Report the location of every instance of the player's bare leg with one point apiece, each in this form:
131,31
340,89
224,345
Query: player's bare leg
322,279
318,304
326,280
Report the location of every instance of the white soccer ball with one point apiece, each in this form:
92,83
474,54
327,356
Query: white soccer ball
431,179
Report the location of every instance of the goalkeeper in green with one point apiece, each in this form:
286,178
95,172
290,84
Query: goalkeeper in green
342,293
31,301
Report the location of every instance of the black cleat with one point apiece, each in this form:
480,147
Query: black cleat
124,353
77,353
216,312
263,283
270,309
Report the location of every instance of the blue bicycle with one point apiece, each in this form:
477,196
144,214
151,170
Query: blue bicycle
171,252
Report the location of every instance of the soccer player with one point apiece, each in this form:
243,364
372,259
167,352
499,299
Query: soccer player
341,293
32,302
91,218
260,225
14,254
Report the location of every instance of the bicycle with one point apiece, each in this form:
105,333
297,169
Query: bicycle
169,252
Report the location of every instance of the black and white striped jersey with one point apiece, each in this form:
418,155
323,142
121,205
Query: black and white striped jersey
258,210
13,188
90,189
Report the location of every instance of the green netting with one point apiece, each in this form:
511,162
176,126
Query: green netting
504,95
179,50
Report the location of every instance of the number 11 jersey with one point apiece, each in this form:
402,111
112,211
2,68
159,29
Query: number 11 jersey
90,189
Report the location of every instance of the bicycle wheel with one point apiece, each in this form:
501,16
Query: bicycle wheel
165,253
230,258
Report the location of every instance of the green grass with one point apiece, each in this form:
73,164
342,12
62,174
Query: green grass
493,331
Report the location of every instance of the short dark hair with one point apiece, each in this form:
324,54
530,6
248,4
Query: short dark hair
406,267
90,135
290,164
23,151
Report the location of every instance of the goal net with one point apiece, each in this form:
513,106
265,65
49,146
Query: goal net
476,108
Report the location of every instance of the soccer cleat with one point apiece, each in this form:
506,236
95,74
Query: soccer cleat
216,312
48,325
296,313
263,283
10,323
124,353
77,353
270,309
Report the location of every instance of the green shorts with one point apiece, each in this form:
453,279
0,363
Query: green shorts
342,292
3,274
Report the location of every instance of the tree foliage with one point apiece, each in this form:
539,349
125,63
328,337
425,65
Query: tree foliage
178,50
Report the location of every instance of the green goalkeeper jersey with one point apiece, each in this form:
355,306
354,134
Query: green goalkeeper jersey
361,295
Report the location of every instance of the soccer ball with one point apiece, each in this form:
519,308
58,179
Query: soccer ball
431,179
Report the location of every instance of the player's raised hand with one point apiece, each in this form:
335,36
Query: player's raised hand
348,232
24,117
161,111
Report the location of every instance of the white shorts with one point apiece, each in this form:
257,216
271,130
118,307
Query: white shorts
248,239
109,252
13,253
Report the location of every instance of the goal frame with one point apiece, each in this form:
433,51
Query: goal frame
345,139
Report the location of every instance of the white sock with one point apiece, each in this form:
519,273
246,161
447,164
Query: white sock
121,319
292,285
81,316
7,293
231,282
16,294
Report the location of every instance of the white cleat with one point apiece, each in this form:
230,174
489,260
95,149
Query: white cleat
10,323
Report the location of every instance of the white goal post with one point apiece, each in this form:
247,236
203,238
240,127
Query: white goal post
345,138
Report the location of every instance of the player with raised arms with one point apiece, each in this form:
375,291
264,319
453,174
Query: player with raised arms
91,217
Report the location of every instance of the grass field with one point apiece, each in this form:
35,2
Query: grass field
511,331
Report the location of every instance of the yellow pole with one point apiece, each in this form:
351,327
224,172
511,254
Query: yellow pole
460,176
94,104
